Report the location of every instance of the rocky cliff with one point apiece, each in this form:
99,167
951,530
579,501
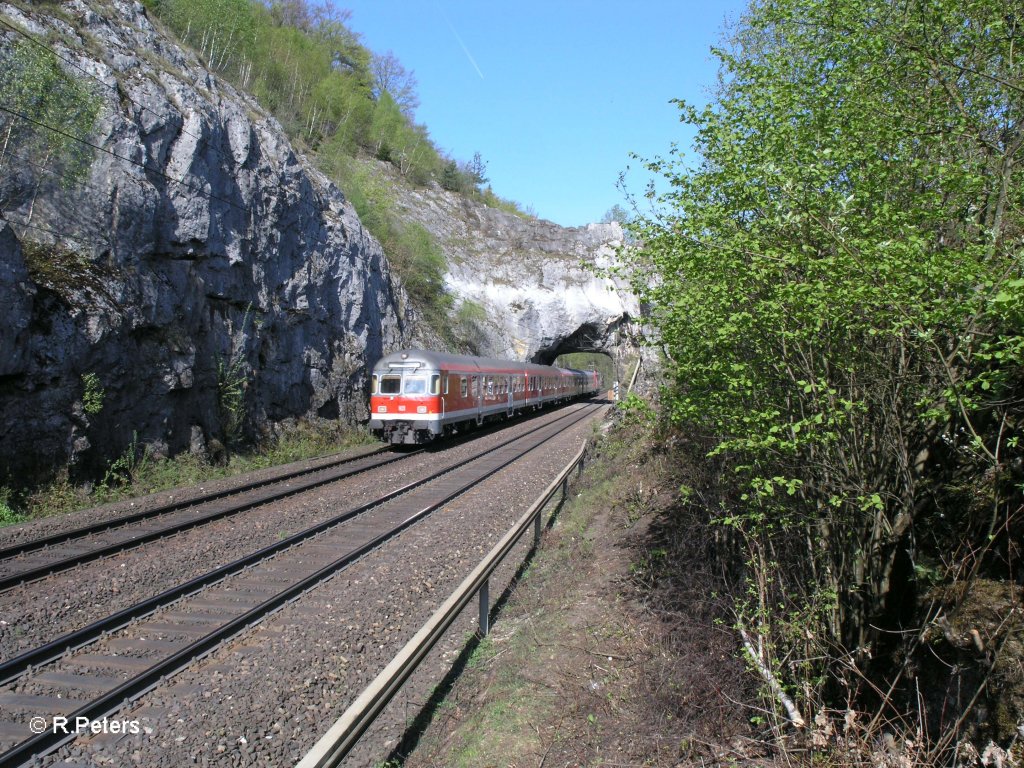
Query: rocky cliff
202,278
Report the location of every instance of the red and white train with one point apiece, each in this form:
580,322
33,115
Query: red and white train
417,395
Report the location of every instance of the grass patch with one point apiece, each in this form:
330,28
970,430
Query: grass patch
137,473
500,728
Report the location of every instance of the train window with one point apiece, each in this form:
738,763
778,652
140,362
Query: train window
390,385
415,385
435,384
490,386
463,386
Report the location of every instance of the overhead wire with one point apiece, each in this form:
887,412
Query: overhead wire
319,241
114,88
4,216
110,152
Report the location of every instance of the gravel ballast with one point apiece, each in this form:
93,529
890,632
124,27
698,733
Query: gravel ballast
265,698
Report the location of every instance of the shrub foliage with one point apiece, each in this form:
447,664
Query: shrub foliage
838,284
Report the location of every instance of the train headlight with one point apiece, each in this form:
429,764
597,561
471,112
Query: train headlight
421,409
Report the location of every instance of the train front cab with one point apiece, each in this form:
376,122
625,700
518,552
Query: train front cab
406,405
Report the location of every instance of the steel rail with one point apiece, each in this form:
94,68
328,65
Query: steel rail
31,545
111,701
41,571
334,745
16,666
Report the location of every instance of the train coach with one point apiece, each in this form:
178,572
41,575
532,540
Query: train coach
418,395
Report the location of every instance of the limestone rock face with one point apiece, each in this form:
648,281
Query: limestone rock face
202,278
536,281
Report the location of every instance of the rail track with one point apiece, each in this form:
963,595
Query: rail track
37,558
91,672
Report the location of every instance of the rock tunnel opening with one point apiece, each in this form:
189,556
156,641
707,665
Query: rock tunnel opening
590,346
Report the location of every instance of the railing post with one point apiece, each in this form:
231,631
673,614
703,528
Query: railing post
485,608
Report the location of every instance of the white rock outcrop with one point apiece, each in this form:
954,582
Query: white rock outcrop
541,285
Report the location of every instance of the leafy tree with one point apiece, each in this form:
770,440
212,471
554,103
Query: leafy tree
476,171
390,77
385,127
616,214
451,178
838,285
48,112
222,31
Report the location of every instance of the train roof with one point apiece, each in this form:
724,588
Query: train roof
443,360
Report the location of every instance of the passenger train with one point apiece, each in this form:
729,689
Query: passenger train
417,396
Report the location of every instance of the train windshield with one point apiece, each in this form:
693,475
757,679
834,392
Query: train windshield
415,385
390,385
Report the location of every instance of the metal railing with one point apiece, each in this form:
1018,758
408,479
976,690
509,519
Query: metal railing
334,745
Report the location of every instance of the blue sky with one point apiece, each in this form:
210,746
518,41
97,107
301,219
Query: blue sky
554,95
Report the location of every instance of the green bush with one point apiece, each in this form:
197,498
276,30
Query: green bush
838,285
8,516
92,394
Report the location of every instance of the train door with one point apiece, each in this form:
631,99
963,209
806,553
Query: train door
478,396
511,404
